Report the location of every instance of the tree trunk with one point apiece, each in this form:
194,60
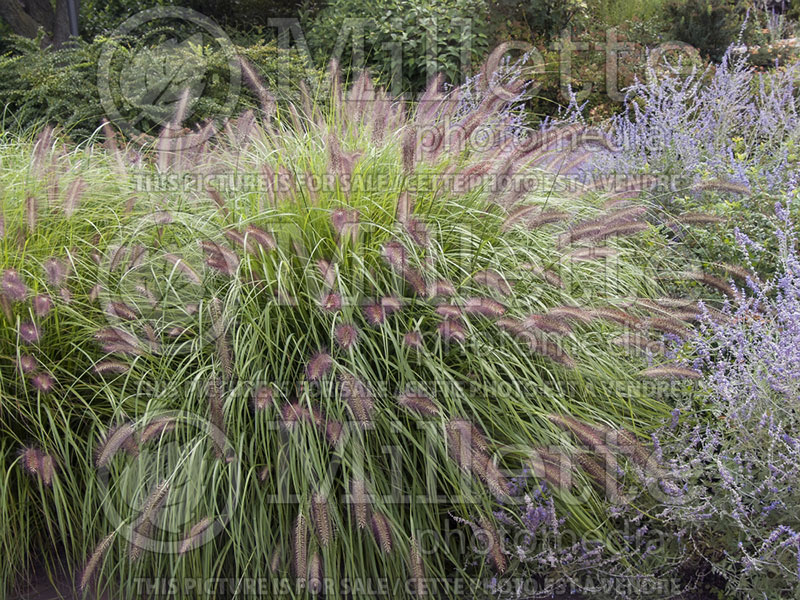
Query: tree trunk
61,23
20,21
25,17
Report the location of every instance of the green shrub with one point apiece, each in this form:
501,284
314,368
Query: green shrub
62,87
238,16
708,25
397,36
545,17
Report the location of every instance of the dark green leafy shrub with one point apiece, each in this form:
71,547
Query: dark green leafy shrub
101,18
548,17
397,36
708,25
61,87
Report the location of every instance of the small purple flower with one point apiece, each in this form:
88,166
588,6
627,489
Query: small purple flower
346,336
56,271
43,382
374,313
319,366
391,304
29,332
331,302
413,339
26,363
13,287
452,331
42,305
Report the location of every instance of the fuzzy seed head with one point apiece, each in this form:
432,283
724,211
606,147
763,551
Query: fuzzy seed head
382,531
13,287
359,499
346,336
43,383
319,366
413,339
451,330
263,398
419,403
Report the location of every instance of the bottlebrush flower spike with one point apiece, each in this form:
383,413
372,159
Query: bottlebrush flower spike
419,233
548,323
382,530
670,372
374,313
554,467
417,569
331,303
194,537
452,331
88,572
698,218
180,264
114,339
359,398
494,546
346,336
413,339
448,311
551,350
122,311
590,436
546,218
220,258
72,198
216,414
56,271
617,316
519,214
671,326
359,500
640,342
345,223
29,332
441,288
145,523
157,427
405,208
110,366
574,313
300,543
395,255
486,307
263,398
328,273
419,403
315,576
319,366
321,518
547,275
588,254
43,382
259,236
416,280
26,363
38,464
119,437
601,476
13,287
485,469
391,305
493,279
31,213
